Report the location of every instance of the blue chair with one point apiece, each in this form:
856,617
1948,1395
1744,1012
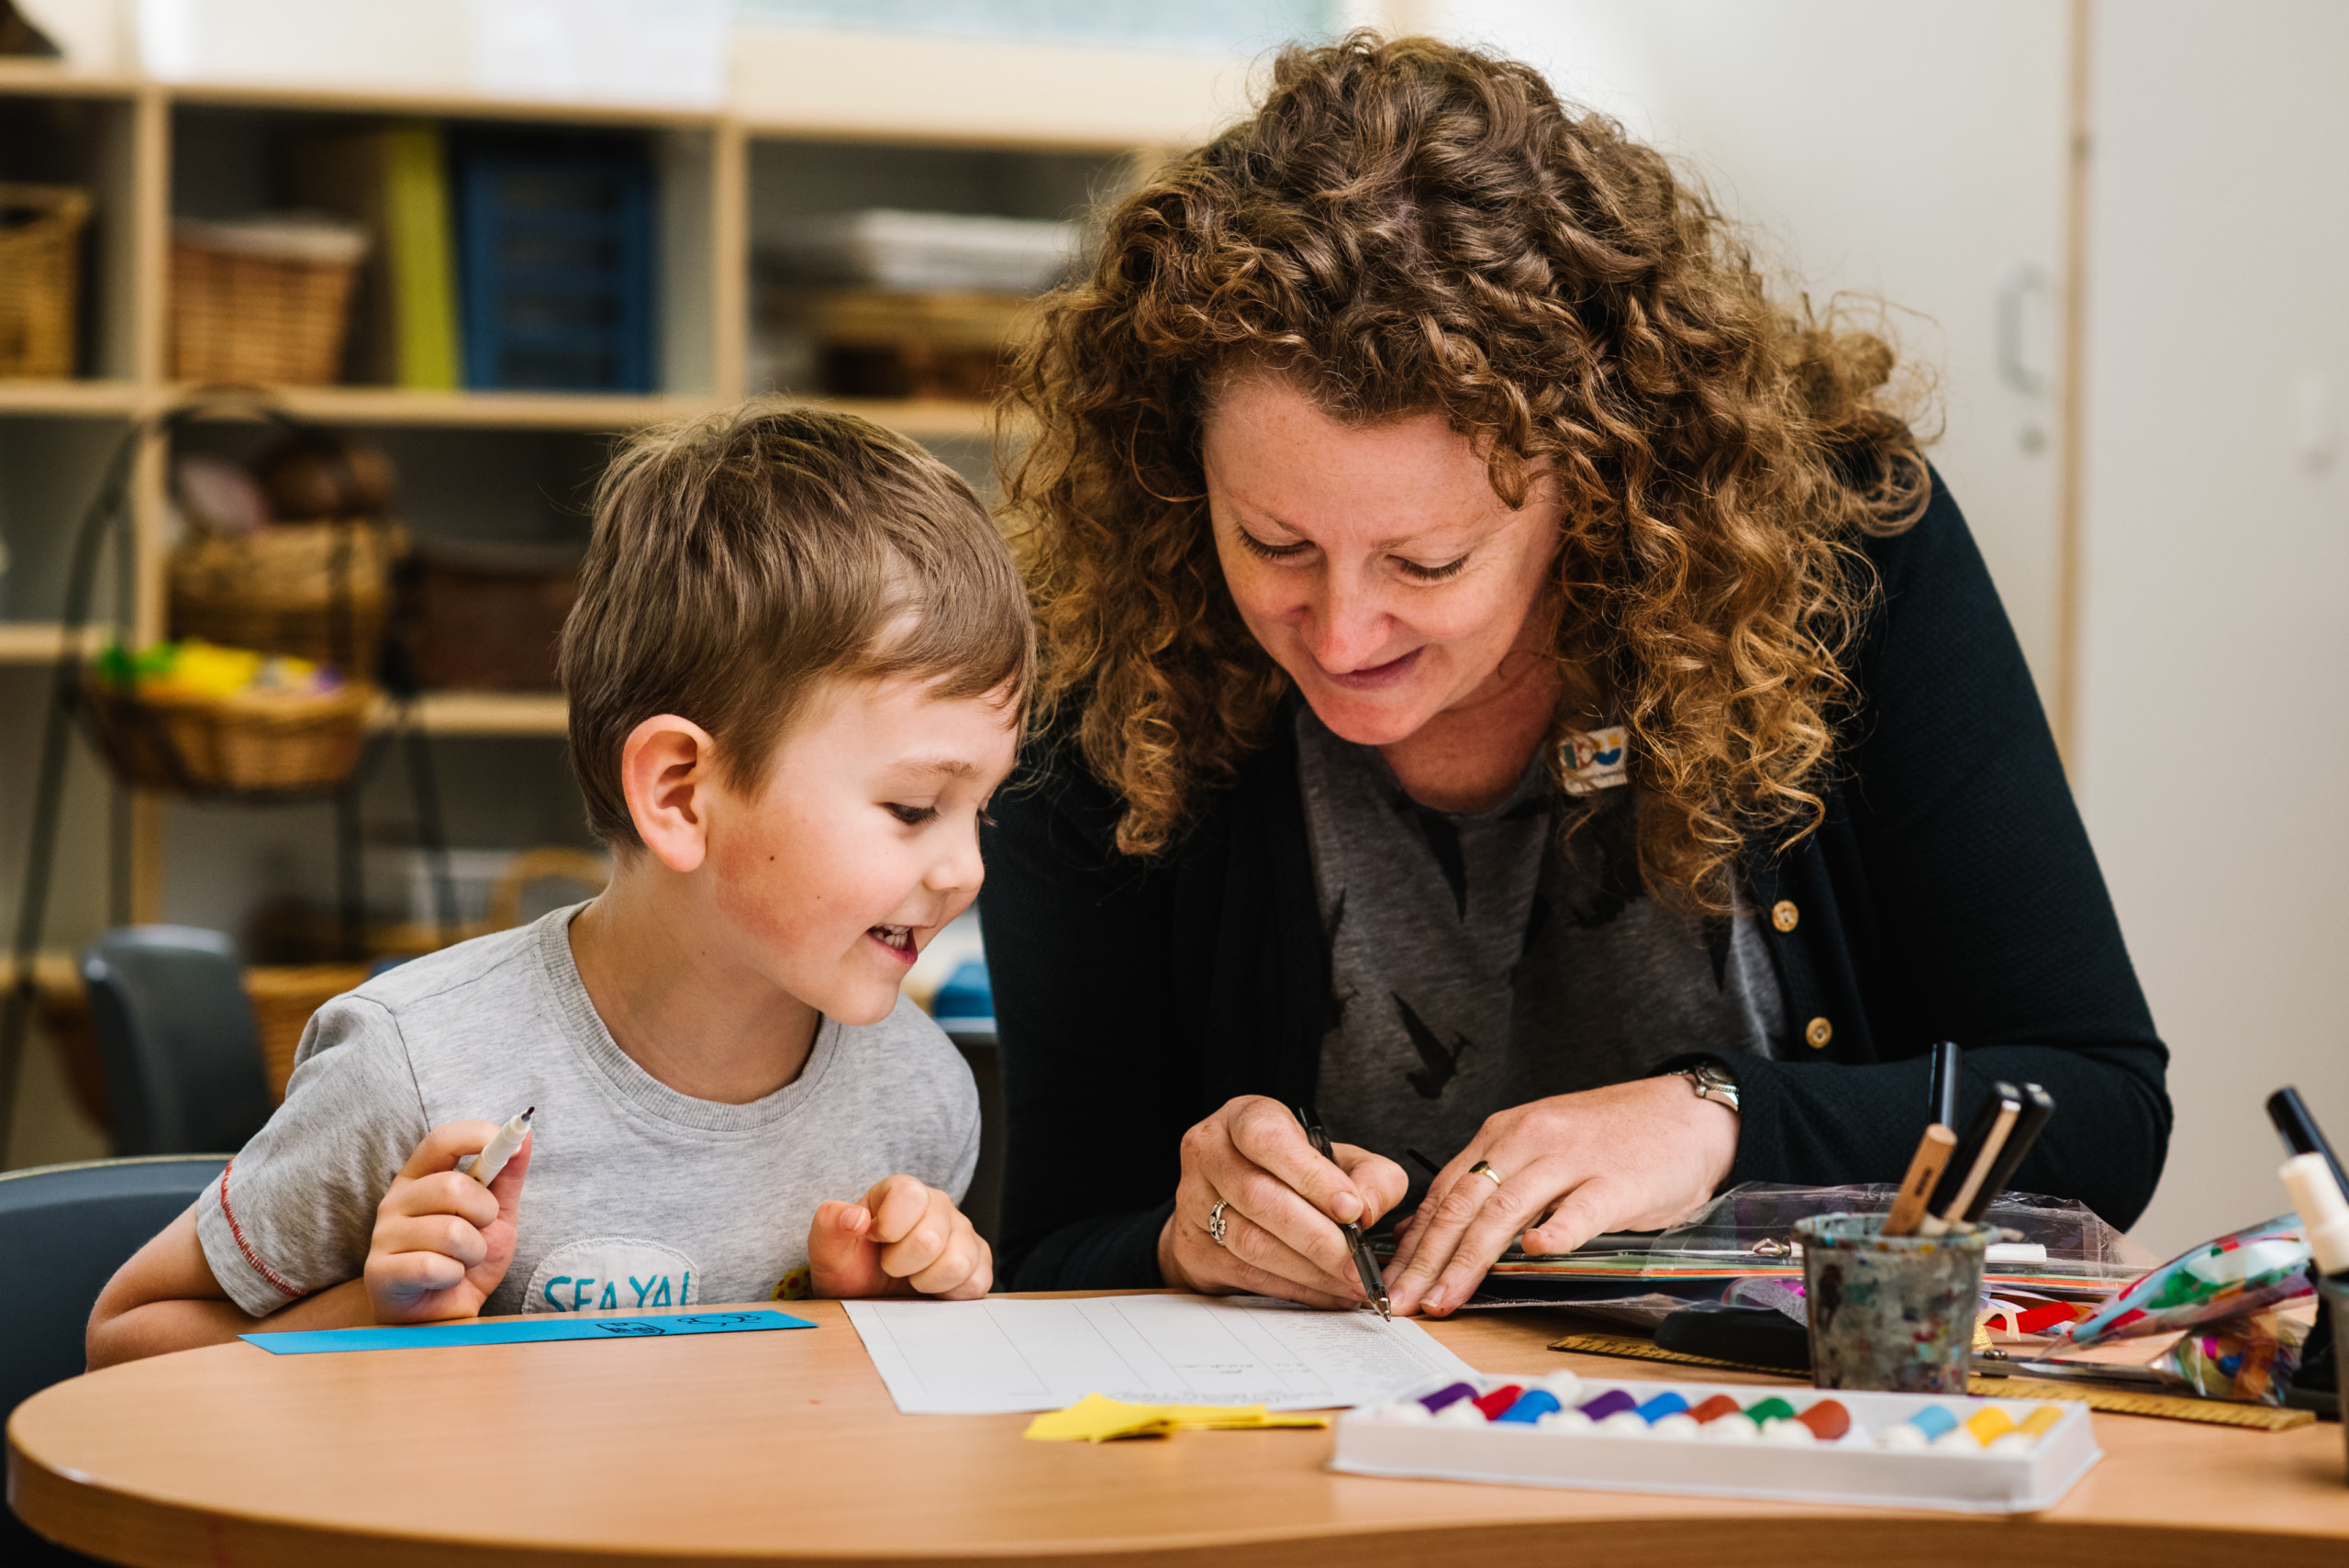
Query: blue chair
68,1227
177,1040
964,1004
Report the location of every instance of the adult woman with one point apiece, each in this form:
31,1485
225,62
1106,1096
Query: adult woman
1495,661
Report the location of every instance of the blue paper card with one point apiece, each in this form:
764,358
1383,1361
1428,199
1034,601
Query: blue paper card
519,1330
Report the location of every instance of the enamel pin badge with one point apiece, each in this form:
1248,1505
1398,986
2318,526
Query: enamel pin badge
1593,760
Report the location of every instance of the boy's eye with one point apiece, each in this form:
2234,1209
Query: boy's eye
911,816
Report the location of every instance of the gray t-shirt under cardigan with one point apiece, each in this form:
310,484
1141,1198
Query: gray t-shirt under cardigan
637,1196
1475,966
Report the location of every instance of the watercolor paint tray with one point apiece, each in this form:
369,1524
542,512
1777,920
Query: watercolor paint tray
1853,1469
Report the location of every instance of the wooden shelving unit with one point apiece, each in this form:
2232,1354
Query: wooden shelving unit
718,171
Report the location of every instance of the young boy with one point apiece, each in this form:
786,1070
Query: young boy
796,670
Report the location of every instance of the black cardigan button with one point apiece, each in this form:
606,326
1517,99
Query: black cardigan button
1784,916
1819,1032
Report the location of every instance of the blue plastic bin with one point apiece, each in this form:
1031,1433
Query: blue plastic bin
555,250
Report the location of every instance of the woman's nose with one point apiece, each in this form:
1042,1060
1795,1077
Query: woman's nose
1342,629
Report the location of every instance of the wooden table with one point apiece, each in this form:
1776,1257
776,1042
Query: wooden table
785,1447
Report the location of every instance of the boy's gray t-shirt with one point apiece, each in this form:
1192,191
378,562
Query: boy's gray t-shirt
637,1196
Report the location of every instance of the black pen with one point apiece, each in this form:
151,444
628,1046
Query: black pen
2299,1131
2038,1104
1944,1096
1969,1148
1374,1284
1971,1165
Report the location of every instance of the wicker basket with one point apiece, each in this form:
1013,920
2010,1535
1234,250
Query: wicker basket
283,997
870,344
40,243
249,743
273,590
489,618
261,303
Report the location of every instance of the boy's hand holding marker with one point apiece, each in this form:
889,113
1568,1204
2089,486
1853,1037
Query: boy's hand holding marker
442,1240
901,1239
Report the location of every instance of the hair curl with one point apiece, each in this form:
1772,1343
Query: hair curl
1406,228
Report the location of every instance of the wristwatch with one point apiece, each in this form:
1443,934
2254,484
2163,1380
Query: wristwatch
1711,1080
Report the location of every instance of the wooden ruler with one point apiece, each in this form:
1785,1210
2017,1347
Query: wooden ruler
2119,1401
2124,1402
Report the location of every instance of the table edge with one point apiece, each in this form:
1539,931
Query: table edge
92,1515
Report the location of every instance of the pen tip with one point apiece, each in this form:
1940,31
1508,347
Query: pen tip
529,1114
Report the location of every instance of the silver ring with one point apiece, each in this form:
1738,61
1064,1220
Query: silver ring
1216,1224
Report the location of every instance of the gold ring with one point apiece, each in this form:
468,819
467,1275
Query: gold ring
1481,1169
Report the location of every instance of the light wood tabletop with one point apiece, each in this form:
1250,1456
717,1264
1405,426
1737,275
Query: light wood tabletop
786,1448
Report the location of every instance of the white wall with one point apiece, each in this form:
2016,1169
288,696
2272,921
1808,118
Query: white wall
1914,152
2214,756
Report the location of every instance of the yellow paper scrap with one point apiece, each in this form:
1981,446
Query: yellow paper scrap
1097,1418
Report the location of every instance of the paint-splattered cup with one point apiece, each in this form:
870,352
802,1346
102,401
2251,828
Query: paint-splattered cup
1890,1312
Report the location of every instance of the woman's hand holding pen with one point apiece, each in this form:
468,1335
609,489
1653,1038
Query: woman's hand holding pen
1282,1204
442,1241
1630,1157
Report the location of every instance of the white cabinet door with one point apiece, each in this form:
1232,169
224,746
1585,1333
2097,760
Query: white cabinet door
2213,752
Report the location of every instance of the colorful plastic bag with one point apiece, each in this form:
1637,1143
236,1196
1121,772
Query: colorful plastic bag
2251,1358
2238,1273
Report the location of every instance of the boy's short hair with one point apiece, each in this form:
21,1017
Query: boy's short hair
742,559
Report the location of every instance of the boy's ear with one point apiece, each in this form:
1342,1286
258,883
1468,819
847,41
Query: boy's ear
668,772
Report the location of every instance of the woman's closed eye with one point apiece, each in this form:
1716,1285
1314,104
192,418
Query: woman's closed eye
1270,552
1420,573
911,816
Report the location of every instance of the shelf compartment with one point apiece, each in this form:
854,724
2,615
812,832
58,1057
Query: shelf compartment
90,144
50,467
235,155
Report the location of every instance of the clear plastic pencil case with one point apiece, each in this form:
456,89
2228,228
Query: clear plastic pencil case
1901,1450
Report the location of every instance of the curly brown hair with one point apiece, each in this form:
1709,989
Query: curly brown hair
1406,228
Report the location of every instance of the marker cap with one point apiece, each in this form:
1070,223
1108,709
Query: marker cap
2323,1209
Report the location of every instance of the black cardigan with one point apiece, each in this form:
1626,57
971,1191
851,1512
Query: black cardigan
1949,894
